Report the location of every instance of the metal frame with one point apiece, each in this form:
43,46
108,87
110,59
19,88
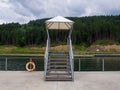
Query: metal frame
69,43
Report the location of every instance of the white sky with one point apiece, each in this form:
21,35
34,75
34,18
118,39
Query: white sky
23,11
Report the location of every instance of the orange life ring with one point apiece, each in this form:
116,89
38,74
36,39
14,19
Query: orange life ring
30,69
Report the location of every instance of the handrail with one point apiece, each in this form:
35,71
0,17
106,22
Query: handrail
71,56
46,56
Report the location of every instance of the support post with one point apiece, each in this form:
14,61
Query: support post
103,68
79,65
30,61
6,64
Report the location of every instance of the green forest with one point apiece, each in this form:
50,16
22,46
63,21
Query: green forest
86,30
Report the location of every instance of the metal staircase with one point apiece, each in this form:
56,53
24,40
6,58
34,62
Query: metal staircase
58,66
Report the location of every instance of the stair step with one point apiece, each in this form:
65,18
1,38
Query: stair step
58,63
58,73
65,55
58,54
58,59
58,69
52,64
58,66
58,78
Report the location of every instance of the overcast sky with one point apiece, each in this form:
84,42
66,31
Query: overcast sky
23,11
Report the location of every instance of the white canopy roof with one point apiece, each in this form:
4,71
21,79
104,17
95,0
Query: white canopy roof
59,22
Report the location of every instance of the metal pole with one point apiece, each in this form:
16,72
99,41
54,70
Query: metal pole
30,64
79,64
6,63
30,59
103,64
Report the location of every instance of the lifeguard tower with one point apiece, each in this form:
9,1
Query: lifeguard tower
58,66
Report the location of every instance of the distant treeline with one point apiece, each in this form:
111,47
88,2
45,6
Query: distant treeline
86,30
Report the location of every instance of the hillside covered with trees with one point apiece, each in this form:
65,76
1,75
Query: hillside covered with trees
86,30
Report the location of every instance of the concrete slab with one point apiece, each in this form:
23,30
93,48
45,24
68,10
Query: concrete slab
23,80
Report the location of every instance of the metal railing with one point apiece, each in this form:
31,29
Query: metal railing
90,64
46,56
97,63
18,63
71,57
81,63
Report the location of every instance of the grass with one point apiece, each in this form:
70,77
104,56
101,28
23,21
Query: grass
82,49
104,42
20,50
77,49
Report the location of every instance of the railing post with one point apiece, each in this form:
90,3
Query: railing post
30,61
79,64
6,64
103,68
73,69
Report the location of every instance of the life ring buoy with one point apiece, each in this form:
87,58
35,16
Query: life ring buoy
30,69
